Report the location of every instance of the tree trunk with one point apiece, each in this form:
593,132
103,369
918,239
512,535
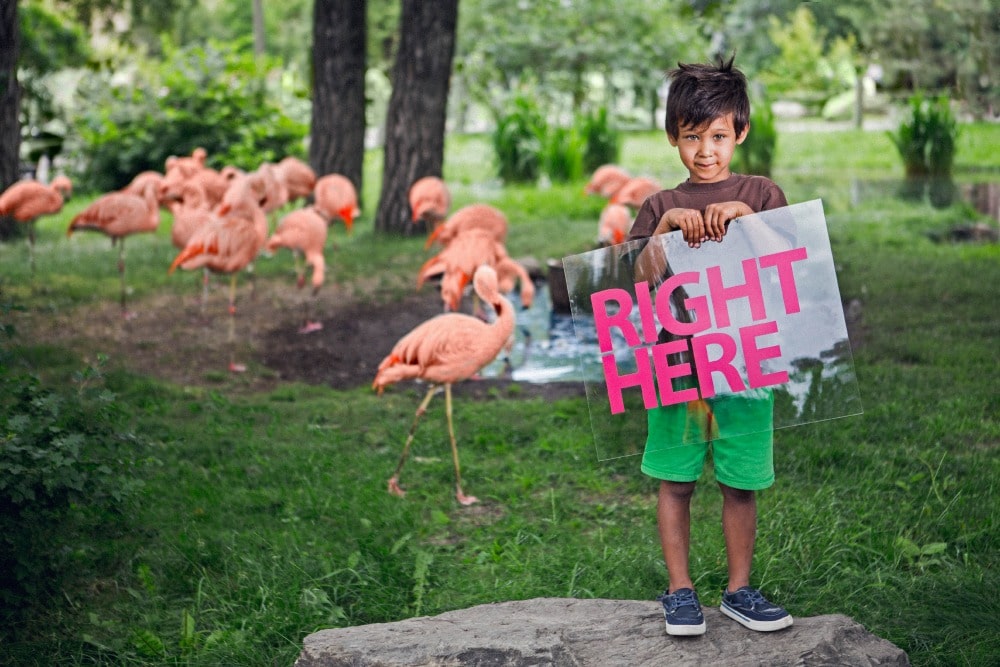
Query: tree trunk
10,104
337,141
415,122
259,45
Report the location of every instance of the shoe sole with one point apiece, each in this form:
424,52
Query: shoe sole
686,630
759,626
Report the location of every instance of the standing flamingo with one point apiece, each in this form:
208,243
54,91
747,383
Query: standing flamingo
117,215
26,201
458,262
635,191
337,197
479,216
613,226
298,177
190,210
429,200
606,181
443,350
304,232
228,245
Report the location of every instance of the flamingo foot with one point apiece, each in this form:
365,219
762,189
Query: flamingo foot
310,327
394,487
237,368
464,499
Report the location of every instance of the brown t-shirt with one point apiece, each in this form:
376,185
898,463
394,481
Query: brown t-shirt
757,192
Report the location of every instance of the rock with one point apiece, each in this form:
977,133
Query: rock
581,633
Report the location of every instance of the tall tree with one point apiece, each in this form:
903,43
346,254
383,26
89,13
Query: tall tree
415,122
337,143
10,101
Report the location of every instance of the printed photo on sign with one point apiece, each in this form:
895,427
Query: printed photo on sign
749,325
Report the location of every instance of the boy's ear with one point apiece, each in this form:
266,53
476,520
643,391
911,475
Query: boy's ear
671,139
743,135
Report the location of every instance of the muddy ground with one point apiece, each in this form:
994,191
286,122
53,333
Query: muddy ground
173,338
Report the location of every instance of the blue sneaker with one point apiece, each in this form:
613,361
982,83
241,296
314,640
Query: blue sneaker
682,612
749,607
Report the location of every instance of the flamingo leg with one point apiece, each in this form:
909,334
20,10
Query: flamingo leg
394,488
31,250
204,287
121,277
459,495
233,366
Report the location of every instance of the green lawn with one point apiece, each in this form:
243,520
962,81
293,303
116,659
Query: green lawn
264,517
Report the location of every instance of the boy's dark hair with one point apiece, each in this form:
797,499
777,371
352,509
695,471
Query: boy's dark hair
700,93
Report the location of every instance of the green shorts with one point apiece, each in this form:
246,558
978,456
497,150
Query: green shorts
740,430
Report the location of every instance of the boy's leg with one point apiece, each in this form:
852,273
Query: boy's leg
673,514
739,528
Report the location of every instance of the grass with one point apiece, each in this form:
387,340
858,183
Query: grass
265,516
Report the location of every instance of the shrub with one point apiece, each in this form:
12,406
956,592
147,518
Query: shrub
926,142
756,154
563,156
67,473
602,143
518,142
215,96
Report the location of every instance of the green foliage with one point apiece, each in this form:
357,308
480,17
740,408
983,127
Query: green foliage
519,140
216,97
67,473
756,154
602,142
927,143
563,155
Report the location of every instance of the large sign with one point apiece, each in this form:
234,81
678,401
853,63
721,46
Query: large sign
756,316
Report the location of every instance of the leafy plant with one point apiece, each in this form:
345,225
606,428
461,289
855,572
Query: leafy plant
215,96
66,476
756,154
927,142
518,142
563,156
602,143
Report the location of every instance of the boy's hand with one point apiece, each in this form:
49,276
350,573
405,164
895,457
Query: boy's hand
689,221
717,215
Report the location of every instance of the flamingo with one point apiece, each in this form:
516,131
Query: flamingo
613,226
635,191
337,197
227,245
117,215
180,169
443,350
298,177
429,200
304,232
606,180
458,262
26,201
481,216
142,180
190,210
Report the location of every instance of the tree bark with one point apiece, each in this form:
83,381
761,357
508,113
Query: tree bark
415,122
10,105
337,141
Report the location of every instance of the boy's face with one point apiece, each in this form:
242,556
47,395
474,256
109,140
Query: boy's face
707,150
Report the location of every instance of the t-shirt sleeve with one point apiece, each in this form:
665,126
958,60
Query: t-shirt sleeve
645,222
773,197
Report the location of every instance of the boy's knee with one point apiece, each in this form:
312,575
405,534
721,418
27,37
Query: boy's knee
737,495
677,490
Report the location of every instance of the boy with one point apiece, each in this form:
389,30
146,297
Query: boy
708,113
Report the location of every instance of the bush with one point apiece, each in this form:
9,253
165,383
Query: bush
926,142
518,142
67,474
602,143
563,156
756,154
216,97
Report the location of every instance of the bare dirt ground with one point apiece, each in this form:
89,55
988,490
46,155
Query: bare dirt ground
172,338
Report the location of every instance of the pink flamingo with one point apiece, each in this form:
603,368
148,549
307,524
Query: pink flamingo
429,200
635,191
26,201
117,215
606,180
458,262
304,232
479,216
336,197
180,169
191,211
444,350
616,219
298,177
227,245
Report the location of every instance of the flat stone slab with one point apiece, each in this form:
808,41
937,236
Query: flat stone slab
578,633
